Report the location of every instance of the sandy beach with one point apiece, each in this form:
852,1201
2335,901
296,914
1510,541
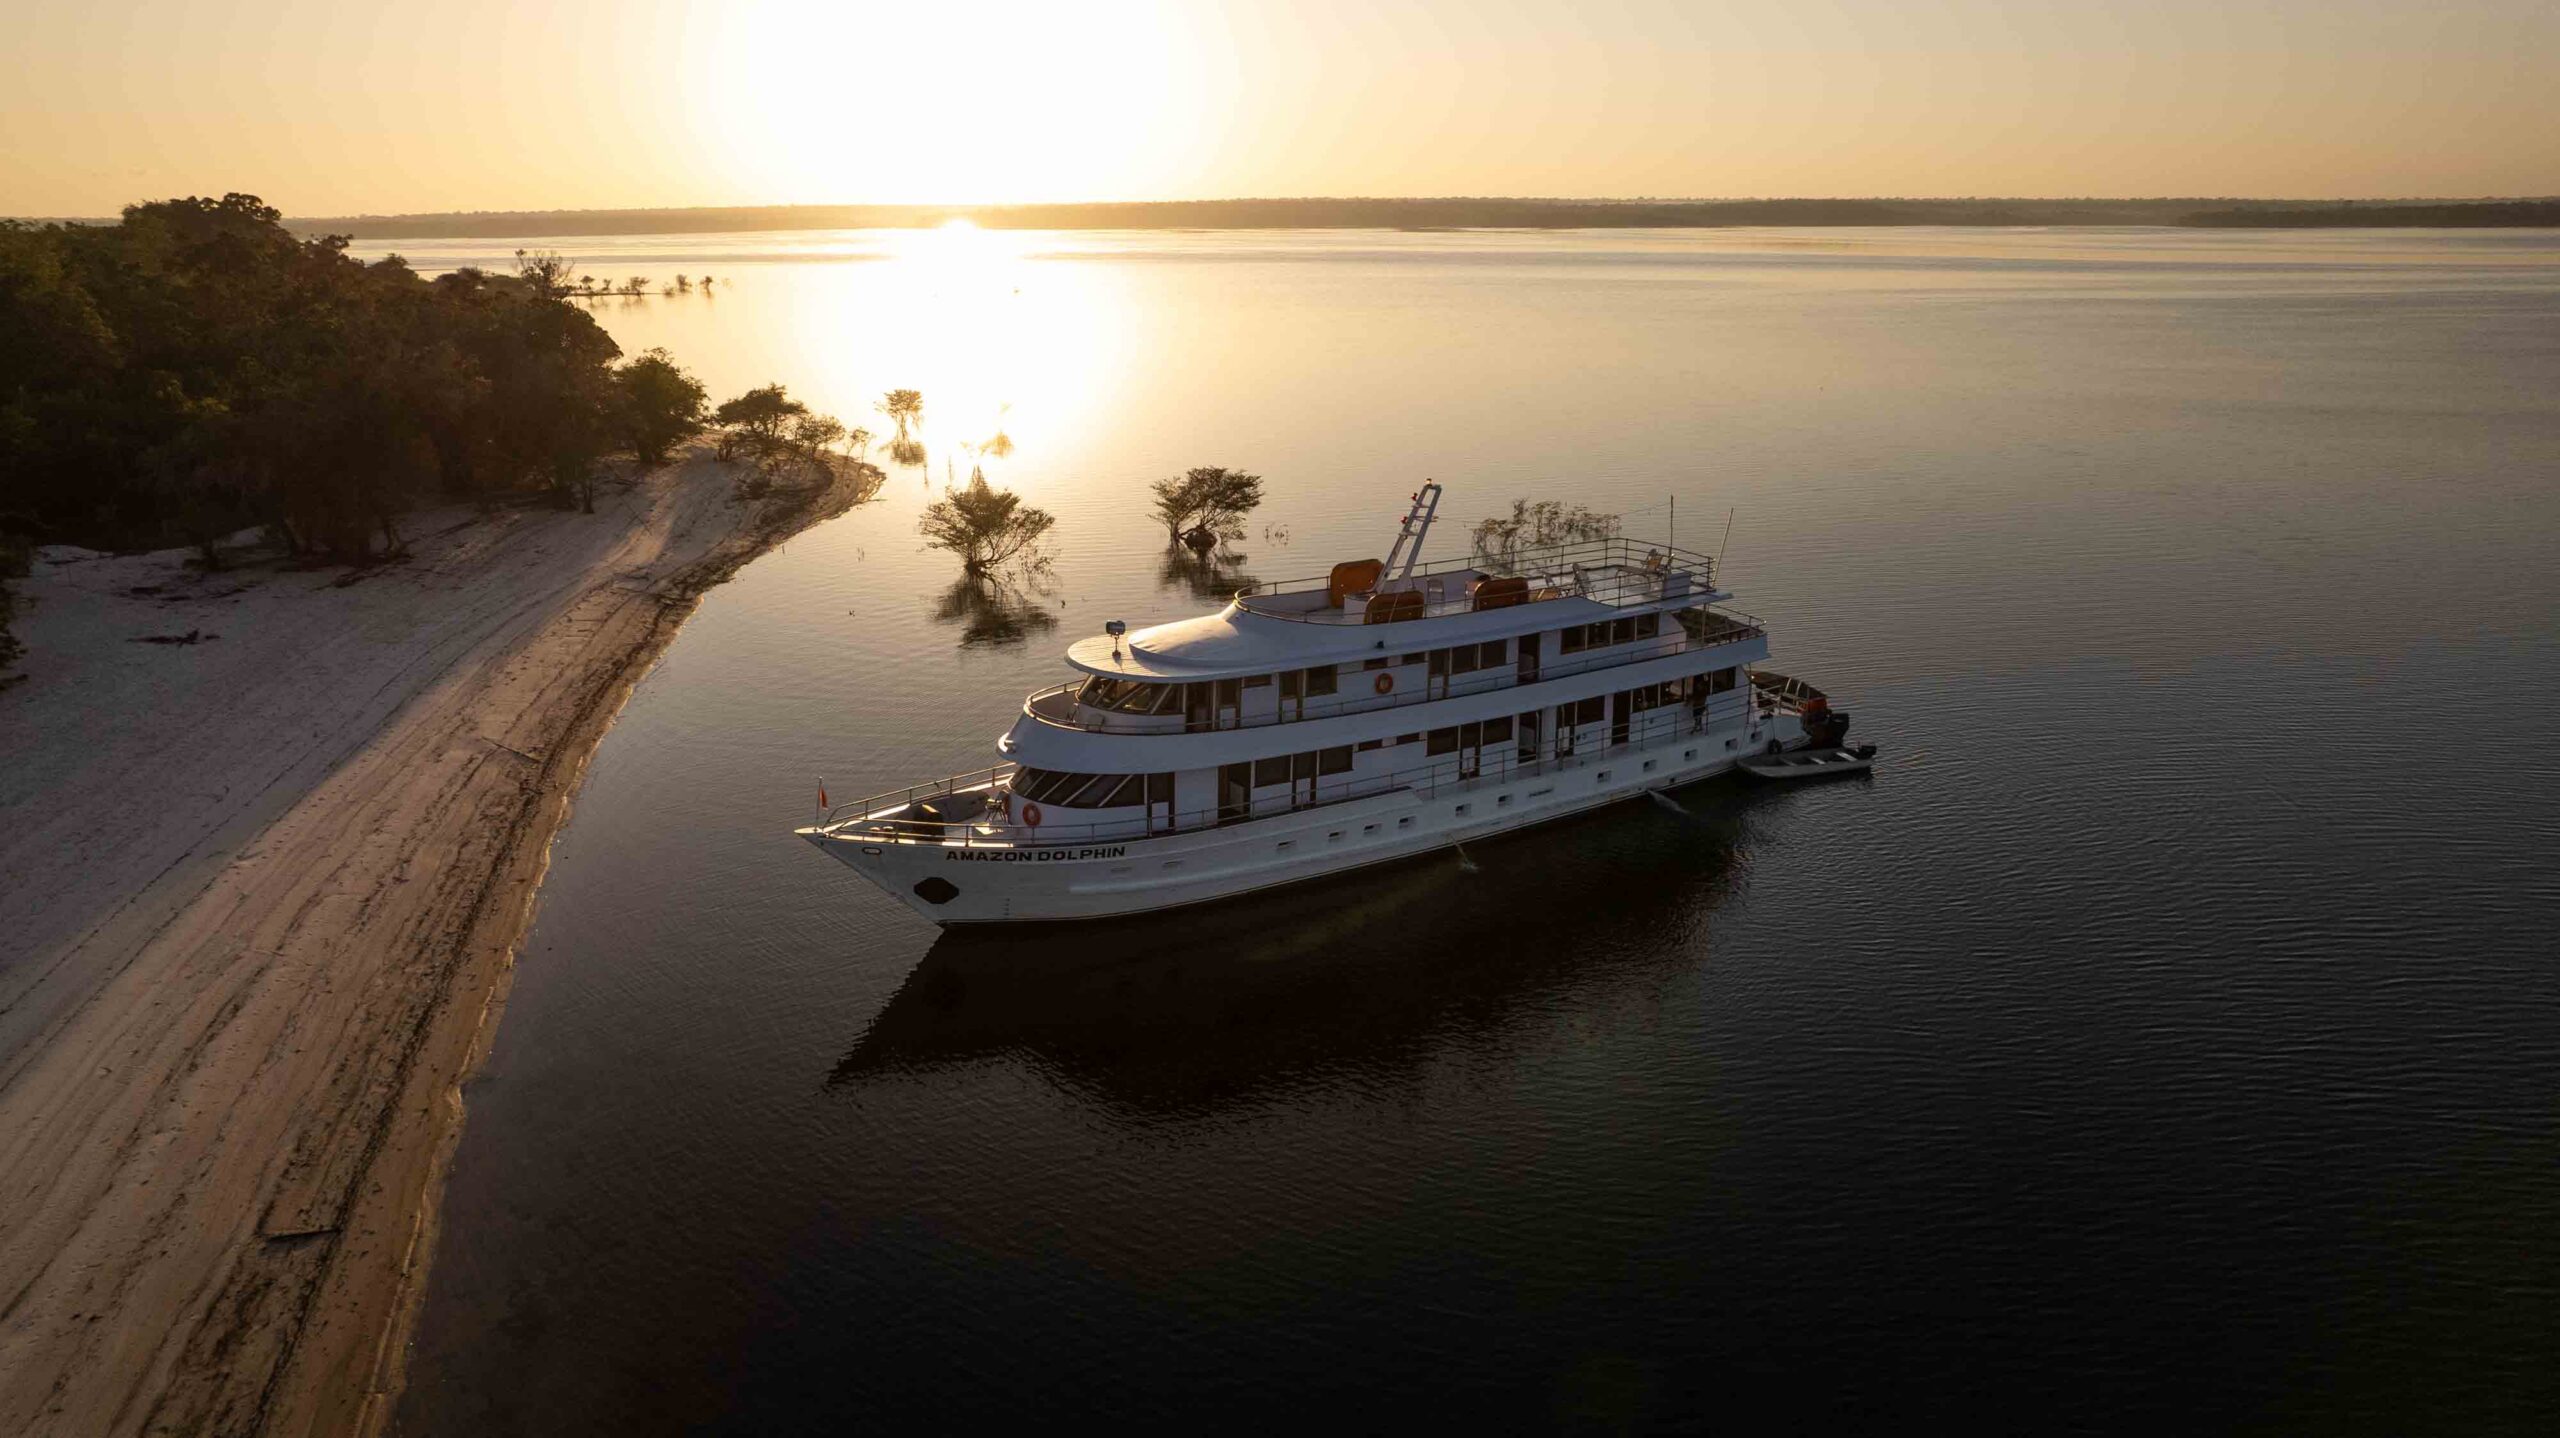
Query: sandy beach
259,895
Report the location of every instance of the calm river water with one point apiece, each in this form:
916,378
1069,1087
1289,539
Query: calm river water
2169,1030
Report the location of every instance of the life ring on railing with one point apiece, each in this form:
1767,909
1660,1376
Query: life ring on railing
1031,816
1385,683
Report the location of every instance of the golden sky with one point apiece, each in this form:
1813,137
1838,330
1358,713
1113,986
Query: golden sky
333,107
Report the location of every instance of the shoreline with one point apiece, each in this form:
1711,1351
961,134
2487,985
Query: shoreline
227,1110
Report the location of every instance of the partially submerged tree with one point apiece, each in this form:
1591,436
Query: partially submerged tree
987,527
1204,506
904,406
661,405
1539,525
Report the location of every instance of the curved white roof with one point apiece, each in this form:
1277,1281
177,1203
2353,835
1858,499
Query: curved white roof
1236,641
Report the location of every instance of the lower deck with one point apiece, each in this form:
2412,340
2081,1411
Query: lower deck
979,873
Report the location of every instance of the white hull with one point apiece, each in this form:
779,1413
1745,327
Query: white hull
1004,882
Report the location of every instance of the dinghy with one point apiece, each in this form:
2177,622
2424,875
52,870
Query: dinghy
1810,763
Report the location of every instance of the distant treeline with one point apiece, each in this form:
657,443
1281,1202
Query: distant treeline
196,369
1488,213
2487,214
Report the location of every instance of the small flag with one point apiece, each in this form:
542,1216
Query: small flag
822,792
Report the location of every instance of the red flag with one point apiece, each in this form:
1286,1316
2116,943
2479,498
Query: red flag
822,793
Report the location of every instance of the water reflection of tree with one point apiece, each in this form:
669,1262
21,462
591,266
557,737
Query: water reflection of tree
998,609
1216,575
1150,1021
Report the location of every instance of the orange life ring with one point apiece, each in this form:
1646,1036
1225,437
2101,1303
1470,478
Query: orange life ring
1031,816
1385,683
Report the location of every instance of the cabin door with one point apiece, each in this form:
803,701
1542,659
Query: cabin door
1528,658
1235,792
1621,710
1527,728
1159,803
1293,701
1195,706
1302,780
1230,702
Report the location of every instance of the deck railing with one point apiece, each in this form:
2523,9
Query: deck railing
1056,706
1614,572
1728,714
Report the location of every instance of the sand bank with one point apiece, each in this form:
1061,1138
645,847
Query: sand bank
258,896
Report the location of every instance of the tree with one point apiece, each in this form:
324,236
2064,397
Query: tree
905,406
661,405
987,527
1539,525
1203,506
756,420
545,271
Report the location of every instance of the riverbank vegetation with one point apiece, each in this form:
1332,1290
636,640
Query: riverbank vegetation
197,369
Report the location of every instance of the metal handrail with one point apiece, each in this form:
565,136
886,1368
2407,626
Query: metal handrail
1558,562
1738,627
931,789
1426,779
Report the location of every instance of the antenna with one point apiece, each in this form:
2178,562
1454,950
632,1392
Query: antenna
1672,541
1720,544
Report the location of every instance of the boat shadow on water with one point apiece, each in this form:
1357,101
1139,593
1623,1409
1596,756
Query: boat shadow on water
1180,1013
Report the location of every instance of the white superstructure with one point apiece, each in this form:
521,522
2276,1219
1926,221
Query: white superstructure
1315,727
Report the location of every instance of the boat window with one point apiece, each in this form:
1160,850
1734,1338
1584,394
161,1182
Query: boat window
1462,660
1410,659
1443,741
1091,794
1622,631
1648,625
1721,680
1168,699
1408,738
1130,792
1570,639
1289,682
1497,731
1589,711
1140,699
1320,681
1439,661
1271,771
1334,761
1368,744
1492,653
1379,663
1159,788
1257,681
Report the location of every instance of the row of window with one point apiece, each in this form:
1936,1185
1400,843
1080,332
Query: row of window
1314,764
1134,696
1574,638
1091,791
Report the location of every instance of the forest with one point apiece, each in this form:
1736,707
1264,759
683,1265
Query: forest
196,369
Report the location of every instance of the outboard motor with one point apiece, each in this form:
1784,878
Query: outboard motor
1827,730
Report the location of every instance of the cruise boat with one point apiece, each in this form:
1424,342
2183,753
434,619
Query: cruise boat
1384,710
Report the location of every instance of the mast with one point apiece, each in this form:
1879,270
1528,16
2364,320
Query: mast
1417,523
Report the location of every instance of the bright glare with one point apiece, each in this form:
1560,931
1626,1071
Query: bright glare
973,102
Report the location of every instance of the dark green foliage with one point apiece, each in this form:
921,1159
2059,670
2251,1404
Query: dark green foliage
758,422
661,405
196,369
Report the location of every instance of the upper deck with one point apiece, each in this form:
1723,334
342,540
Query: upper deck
1316,621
